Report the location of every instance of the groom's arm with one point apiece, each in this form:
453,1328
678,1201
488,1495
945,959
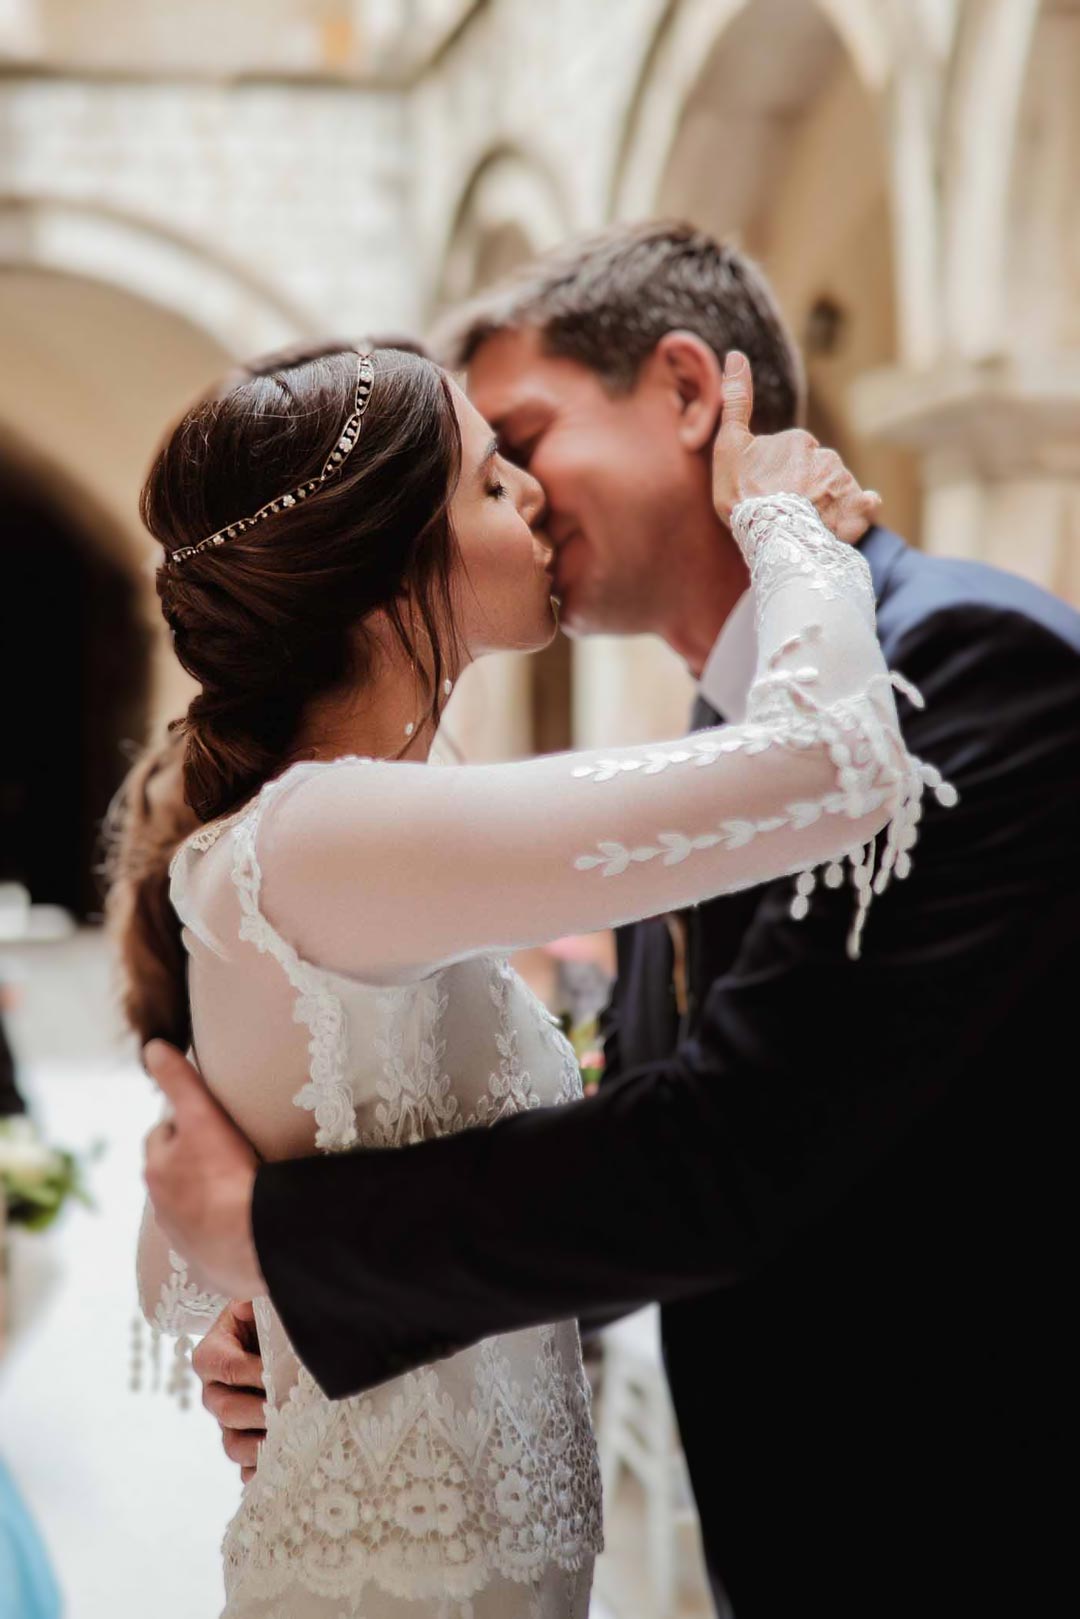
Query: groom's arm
806,1072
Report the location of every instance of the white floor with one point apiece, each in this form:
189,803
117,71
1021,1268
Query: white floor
131,1494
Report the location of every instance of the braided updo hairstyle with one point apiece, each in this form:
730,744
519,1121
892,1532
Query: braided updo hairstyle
276,617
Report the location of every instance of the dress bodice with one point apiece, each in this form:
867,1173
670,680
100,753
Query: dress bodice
476,1471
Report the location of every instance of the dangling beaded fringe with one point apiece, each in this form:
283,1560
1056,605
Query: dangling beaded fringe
902,832
181,1376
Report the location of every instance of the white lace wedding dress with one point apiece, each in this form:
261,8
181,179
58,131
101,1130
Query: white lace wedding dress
347,933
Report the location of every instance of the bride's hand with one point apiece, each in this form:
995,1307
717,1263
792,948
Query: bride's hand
790,463
230,1368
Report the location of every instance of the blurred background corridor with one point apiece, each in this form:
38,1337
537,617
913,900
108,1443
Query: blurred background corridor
184,186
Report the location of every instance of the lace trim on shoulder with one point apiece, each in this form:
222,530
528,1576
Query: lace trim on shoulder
204,837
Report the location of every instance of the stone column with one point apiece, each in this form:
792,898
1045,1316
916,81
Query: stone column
489,716
999,450
628,689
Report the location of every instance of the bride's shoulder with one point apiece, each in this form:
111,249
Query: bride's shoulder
207,836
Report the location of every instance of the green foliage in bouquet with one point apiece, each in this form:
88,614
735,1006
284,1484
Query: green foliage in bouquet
36,1180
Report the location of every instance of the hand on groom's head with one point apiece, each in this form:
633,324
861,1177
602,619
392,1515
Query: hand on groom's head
200,1173
781,463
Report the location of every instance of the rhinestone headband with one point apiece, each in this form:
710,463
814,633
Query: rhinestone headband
341,451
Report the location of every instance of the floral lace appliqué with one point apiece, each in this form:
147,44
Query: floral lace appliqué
182,1307
424,1498
416,1100
782,538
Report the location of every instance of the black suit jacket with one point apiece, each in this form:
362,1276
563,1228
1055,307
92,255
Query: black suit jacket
846,1182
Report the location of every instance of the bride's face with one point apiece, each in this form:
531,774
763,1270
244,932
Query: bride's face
503,588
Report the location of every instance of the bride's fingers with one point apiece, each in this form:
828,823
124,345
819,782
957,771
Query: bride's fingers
235,1408
222,1358
852,517
241,1447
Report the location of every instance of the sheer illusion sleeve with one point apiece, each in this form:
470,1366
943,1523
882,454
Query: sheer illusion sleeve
174,1304
387,870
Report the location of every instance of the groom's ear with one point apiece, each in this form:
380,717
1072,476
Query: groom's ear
689,368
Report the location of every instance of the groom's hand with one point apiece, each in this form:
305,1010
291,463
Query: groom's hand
200,1173
781,463
230,1368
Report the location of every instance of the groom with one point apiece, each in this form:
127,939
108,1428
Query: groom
845,1182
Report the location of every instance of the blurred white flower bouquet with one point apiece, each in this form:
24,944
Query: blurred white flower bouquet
36,1180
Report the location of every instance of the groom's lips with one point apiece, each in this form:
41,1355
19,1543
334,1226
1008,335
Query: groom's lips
555,568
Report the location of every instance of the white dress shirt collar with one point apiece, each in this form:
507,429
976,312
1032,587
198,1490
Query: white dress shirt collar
729,669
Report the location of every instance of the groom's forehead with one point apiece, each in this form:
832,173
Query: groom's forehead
510,373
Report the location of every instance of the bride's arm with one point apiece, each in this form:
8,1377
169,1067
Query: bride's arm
173,1296
387,869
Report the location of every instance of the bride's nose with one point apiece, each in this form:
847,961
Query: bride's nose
533,502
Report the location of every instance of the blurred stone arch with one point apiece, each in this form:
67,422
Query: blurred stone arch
745,116
108,329
996,412
511,208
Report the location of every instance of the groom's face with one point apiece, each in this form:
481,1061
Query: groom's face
615,475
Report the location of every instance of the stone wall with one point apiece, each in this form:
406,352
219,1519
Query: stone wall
258,169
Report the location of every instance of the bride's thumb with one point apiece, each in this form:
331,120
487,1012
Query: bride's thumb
736,395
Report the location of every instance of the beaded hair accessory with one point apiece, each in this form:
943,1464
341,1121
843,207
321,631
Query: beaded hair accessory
340,453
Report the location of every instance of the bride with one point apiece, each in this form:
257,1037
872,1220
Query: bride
341,539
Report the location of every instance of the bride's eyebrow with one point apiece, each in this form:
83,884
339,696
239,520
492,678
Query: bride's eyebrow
486,459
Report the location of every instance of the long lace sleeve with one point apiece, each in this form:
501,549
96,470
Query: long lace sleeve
387,870
174,1304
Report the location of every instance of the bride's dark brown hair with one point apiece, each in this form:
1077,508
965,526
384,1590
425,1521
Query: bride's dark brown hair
275,617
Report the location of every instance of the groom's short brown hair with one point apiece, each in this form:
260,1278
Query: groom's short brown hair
607,300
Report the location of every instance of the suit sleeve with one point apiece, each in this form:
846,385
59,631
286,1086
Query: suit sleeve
806,1071
608,1034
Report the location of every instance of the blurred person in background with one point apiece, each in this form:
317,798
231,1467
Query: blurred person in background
847,1185
28,1588
11,1100
341,536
